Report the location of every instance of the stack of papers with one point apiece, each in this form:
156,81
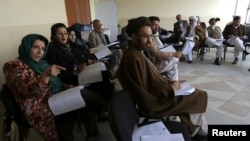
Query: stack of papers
155,132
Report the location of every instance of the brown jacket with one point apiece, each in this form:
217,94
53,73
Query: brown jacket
199,30
230,30
152,92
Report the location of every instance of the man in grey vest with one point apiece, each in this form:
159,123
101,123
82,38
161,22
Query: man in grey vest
214,38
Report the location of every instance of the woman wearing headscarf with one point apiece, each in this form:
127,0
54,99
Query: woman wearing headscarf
75,39
32,81
194,38
70,56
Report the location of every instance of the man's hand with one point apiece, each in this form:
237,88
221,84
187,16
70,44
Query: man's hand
177,54
176,85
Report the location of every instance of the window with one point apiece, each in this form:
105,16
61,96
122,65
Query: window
248,14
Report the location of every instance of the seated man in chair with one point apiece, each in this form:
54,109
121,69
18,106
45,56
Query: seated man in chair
165,62
153,94
214,38
235,34
194,38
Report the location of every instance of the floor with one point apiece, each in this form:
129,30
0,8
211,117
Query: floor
227,86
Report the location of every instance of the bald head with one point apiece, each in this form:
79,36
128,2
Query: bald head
97,25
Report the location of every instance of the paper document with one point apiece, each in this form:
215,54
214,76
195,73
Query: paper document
113,43
186,89
91,74
101,51
189,38
157,128
166,36
171,137
66,101
168,49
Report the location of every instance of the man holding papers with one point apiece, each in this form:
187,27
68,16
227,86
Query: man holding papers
97,38
165,61
214,38
154,94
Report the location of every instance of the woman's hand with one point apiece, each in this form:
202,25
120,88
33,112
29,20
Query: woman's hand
53,70
79,69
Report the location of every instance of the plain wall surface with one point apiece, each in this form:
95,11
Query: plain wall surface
167,10
21,17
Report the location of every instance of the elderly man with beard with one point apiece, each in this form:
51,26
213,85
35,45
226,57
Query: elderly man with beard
214,38
194,38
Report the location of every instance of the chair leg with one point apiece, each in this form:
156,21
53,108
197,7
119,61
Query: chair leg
225,50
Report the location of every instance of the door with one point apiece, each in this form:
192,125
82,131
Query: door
78,11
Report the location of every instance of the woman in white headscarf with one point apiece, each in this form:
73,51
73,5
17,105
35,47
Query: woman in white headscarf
194,38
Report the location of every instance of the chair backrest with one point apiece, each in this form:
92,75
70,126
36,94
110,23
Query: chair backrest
13,113
123,116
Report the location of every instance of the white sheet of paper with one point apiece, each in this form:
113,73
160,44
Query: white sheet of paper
168,49
103,66
186,89
189,38
66,101
91,74
172,137
102,51
157,128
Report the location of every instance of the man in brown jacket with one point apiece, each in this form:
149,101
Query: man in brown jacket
235,34
154,94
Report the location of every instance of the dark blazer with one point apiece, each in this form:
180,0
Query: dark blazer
177,28
56,55
162,31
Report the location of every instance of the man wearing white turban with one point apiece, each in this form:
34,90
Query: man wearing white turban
194,38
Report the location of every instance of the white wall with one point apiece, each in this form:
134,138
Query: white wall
106,11
21,17
168,9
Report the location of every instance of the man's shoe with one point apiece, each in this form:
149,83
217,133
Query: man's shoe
245,52
190,62
217,62
235,61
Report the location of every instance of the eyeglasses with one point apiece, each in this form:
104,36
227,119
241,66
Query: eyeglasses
146,36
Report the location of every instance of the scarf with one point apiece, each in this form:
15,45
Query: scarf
40,66
193,26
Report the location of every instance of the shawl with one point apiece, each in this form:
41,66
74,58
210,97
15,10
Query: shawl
40,66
